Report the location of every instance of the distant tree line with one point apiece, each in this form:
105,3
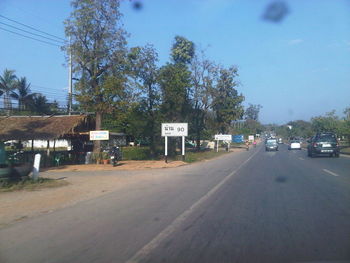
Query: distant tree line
329,122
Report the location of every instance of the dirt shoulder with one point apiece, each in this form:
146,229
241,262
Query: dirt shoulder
122,166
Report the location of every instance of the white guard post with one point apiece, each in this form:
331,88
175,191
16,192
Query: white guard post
183,148
36,166
166,149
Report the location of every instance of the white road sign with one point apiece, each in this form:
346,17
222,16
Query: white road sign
174,129
99,135
223,137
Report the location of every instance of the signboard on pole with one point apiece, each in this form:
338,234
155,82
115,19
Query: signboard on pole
174,129
251,138
99,135
223,137
238,138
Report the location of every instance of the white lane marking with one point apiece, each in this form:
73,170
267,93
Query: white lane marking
330,172
301,158
155,242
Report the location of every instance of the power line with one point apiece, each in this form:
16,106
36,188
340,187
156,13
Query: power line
58,41
52,44
14,21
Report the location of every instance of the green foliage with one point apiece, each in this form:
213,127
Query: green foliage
98,48
174,81
136,153
23,94
197,156
40,105
252,112
328,123
183,50
145,119
227,103
30,184
7,86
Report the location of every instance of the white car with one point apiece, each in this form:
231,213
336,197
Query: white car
294,145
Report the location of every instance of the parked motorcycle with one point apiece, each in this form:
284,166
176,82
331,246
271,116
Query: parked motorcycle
115,155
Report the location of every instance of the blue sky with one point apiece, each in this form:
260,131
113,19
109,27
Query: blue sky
296,69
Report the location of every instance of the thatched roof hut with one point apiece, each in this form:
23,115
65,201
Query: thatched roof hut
43,127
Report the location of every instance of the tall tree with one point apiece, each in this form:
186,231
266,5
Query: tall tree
40,104
98,49
227,103
23,94
183,50
7,86
174,81
252,112
203,73
143,61
327,123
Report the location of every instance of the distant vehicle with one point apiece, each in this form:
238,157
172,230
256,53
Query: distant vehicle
294,145
280,141
323,143
271,145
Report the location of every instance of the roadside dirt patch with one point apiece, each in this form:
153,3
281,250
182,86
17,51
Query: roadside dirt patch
84,182
123,165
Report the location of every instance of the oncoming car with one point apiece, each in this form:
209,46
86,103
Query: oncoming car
294,145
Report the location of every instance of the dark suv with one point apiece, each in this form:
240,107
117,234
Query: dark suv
323,143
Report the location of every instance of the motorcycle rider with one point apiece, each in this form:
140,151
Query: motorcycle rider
247,144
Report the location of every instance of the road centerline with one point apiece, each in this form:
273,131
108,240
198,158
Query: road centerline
155,242
330,172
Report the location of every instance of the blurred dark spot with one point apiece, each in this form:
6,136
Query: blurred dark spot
156,219
137,5
276,11
281,179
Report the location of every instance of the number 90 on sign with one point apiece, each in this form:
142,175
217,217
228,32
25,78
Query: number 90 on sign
174,129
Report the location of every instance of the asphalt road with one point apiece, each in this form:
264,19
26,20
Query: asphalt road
254,206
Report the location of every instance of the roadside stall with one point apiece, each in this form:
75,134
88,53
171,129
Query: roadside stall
72,128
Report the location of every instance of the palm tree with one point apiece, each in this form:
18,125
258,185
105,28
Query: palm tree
7,85
40,104
23,94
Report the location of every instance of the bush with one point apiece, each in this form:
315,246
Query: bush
136,153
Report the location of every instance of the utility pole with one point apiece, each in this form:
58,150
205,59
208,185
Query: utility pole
70,97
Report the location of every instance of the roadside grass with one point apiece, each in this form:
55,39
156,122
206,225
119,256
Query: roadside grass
345,150
31,185
197,156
